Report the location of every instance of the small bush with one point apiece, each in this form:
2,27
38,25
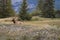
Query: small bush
35,18
27,17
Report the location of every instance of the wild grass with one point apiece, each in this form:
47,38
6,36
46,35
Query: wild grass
43,29
14,32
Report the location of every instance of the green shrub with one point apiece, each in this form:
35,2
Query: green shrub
26,17
35,18
29,17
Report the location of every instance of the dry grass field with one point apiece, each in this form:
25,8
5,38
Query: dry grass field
42,29
40,22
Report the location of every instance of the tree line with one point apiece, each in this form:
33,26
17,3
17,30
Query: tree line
6,9
44,8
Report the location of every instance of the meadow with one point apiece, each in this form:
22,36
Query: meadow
36,29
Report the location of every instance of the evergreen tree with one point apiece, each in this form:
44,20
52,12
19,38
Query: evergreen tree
40,7
1,8
48,9
40,4
23,13
9,11
6,9
57,13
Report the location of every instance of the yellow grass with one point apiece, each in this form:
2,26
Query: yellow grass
44,21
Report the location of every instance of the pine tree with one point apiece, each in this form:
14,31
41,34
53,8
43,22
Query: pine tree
48,9
23,13
6,9
40,4
40,7
9,11
1,8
